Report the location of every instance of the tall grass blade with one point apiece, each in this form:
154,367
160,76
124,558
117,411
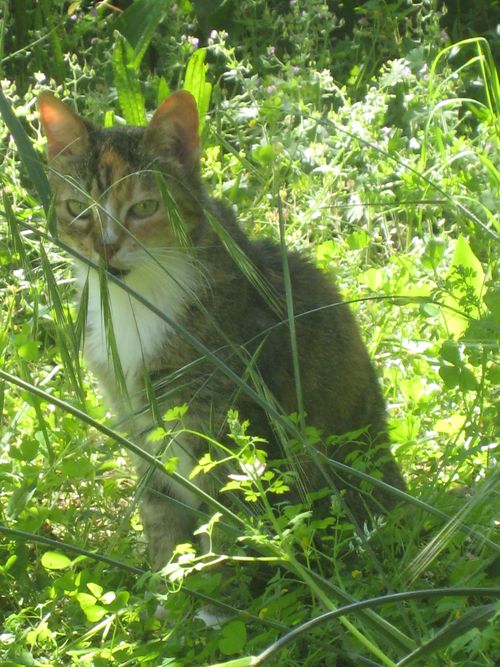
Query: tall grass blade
439,542
291,316
26,152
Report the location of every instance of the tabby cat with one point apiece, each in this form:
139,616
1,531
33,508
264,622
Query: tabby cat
185,255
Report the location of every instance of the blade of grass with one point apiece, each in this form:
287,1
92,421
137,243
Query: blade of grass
291,315
26,152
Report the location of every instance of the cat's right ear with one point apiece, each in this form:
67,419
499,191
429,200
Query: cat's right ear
65,131
175,125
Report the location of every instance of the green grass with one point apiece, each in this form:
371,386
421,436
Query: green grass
374,151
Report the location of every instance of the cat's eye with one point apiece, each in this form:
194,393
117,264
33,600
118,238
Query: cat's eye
76,207
144,208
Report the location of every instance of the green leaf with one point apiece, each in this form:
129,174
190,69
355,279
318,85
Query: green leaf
171,464
358,239
29,351
449,352
465,257
434,253
29,449
86,599
450,376
233,637
176,413
466,292
127,82
264,154
139,22
467,380
156,434
19,500
195,82
95,589
54,560
94,613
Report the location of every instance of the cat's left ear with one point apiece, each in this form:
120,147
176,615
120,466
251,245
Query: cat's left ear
66,133
176,121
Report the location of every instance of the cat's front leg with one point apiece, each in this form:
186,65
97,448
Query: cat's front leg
166,505
165,524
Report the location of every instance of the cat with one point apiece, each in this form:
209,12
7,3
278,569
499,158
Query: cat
184,253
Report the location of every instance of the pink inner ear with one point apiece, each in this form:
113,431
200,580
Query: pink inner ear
66,134
179,112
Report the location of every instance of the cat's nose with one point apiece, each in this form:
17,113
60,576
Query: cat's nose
106,250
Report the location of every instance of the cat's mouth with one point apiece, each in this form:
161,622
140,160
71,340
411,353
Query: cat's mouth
118,273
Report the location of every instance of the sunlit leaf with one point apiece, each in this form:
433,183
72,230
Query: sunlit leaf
54,560
195,82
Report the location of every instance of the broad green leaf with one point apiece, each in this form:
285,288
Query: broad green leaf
29,351
195,82
233,637
54,560
466,293
95,589
94,613
450,352
358,239
373,278
451,425
85,599
465,257
19,500
139,22
450,376
127,82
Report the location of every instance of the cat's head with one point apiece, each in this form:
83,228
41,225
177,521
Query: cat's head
110,202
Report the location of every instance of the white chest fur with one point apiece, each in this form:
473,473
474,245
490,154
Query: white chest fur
139,333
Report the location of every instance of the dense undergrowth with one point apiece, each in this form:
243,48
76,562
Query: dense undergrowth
371,134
